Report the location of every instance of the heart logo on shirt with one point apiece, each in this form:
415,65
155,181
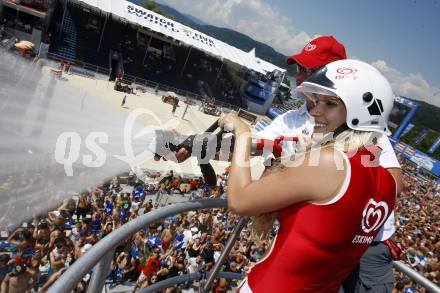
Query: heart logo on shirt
374,215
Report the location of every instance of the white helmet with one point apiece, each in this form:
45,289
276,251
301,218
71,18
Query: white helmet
366,93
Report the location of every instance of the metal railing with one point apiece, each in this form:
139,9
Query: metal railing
100,255
189,278
141,81
102,251
416,277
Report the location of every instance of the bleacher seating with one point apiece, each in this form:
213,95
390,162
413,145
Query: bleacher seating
64,35
164,62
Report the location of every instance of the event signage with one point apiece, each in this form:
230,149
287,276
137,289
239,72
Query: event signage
407,129
169,24
405,101
417,157
407,120
181,34
423,134
434,146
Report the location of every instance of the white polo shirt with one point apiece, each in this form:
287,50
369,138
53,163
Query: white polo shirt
300,122
291,123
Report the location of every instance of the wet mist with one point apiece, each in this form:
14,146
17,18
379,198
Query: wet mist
56,140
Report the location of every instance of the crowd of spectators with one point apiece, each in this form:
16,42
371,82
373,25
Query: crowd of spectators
36,254
418,226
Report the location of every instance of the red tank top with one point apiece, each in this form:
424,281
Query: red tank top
317,246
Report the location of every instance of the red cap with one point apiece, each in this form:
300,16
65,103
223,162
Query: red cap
19,260
319,52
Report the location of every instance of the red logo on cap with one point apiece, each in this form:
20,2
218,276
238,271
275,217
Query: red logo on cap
309,47
346,70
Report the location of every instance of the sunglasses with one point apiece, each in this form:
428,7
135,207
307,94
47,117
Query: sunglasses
308,71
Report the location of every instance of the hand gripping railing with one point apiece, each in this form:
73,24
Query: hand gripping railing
102,252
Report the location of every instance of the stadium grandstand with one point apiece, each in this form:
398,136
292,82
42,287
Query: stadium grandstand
151,229
133,42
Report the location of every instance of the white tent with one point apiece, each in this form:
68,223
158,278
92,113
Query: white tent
158,23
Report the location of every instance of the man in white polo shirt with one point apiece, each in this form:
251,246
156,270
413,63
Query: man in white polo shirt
374,273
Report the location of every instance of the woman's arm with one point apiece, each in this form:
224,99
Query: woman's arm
397,175
315,179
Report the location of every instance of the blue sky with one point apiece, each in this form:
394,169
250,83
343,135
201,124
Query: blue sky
400,37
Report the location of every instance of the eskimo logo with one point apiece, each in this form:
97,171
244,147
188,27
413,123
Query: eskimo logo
374,215
346,70
310,47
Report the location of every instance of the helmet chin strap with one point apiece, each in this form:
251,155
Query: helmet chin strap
331,135
340,129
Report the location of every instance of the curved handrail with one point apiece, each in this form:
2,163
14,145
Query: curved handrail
186,278
416,277
68,280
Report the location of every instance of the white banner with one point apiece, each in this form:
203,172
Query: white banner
180,32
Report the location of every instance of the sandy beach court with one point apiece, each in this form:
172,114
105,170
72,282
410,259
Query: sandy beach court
195,121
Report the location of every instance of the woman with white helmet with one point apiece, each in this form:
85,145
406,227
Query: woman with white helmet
332,200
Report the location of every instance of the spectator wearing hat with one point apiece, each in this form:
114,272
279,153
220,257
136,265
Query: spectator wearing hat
19,279
316,54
